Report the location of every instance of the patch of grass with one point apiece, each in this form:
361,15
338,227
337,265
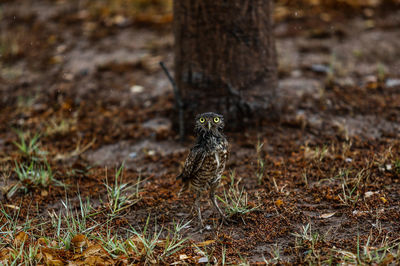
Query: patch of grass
306,235
387,253
351,186
13,239
144,244
22,255
307,240
174,241
206,255
34,171
10,224
121,196
60,126
275,255
321,152
260,162
151,248
113,244
32,176
28,146
317,154
70,222
235,199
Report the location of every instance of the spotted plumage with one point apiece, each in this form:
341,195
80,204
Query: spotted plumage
206,160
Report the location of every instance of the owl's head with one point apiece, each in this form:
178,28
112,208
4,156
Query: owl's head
209,123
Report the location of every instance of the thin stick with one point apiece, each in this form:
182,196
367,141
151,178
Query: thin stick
178,102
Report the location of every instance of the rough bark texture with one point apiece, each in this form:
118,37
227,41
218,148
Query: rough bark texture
225,59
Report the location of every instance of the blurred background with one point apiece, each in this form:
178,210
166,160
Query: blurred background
71,63
81,86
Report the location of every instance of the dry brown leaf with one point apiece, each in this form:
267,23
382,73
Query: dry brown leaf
5,254
41,242
79,241
387,260
20,238
50,259
11,206
327,215
44,193
92,250
183,257
95,260
370,193
205,243
278,202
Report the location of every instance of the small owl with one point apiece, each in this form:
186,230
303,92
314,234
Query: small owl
206,160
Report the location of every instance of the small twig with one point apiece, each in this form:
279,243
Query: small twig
178,101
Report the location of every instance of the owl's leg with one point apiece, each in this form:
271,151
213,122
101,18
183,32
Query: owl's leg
214,201
197,205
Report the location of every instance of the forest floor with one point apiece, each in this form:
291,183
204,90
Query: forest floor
89,157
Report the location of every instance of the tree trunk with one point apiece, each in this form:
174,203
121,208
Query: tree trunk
225,59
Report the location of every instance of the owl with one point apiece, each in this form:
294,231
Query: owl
206,160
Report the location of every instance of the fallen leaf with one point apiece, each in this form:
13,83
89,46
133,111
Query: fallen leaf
41,241
44,193
327,215
370,193
11,206
90,251
50,259
278,202
205,243
183,257
6,254
20,238
79,241
387,260
383,199
95,260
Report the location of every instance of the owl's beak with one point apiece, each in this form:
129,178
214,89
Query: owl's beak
209,125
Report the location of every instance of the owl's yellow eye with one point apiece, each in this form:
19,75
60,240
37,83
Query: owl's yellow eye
202,120
216,119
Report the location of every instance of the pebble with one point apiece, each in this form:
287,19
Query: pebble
320,68
203,260
136,89
390,83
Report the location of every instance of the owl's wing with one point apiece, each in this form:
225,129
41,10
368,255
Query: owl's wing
192,164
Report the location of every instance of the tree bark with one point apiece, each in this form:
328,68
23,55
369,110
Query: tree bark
225,58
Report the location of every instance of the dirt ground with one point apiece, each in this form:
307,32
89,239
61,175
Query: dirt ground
320,186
